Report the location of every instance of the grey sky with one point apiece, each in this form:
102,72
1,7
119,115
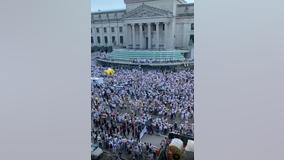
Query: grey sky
111,4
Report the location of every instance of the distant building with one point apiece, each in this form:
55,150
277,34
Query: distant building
145,24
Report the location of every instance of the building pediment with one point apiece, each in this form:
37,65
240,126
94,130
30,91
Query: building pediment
145,11
137,1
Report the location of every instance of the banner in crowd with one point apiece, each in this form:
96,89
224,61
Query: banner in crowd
143,132
103,116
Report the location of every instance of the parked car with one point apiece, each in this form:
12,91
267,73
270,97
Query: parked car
96,152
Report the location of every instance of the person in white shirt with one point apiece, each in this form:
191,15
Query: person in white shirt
106,136
94,136
114,148
144,148
115,139
110,145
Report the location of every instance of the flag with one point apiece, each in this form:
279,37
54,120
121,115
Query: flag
103,116
148,123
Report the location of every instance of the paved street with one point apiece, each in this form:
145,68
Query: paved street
155,140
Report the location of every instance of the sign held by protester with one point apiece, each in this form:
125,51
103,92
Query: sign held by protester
143,132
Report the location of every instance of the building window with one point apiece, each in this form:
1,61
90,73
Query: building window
163,27
98,30
192,26
113,39
105,29
92,41
192,38
120,29
154,28
121,39
99,39
112,29
142,28
91,30
105,39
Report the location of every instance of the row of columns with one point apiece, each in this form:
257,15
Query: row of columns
128,34
149,35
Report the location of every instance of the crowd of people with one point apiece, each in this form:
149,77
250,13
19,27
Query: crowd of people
156,61
134,100
116,144
103,55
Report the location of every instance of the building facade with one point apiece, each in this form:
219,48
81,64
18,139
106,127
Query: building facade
145,24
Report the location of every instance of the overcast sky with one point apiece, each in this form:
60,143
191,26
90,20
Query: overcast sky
112,4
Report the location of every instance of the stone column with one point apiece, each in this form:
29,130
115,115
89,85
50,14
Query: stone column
125,42
172,44
149,36
158,35
95,35
185,29
102,37
141,35
166,39
109,42
117,36
129,36
133,36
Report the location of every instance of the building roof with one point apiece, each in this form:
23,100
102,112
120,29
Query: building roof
109,11
182,1
185,14
187,4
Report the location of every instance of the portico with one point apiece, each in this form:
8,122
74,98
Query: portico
151,35
148,27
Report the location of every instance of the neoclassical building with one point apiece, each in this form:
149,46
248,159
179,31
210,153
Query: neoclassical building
144,24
